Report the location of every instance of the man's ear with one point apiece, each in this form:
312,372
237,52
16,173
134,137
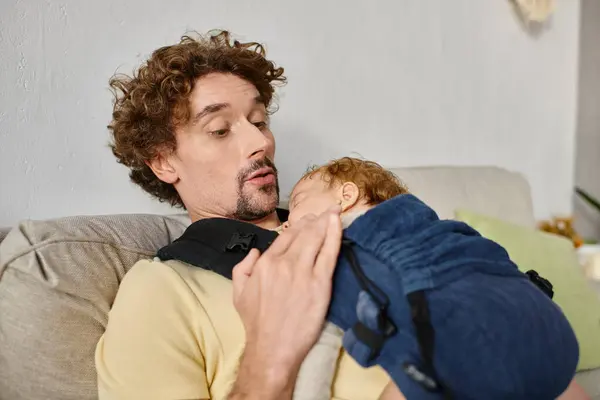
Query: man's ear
162,167
349,195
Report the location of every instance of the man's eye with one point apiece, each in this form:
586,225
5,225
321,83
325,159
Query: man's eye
220,132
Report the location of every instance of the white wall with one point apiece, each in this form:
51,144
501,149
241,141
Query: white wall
587,158
404,82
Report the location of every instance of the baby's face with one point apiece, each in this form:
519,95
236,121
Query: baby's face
311,196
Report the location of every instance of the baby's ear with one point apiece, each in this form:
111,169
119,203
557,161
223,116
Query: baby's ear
349,195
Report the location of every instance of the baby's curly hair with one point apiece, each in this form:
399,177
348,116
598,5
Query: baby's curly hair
376,184
152,103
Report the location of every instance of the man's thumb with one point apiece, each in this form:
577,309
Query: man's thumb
242,271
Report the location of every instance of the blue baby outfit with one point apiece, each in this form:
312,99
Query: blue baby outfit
445,311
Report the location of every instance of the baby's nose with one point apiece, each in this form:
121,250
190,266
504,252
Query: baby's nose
285,225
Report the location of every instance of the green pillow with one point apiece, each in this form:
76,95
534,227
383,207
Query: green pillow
555,259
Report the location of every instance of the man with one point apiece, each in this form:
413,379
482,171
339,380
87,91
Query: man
193,127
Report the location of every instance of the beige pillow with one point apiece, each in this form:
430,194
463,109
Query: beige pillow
58,280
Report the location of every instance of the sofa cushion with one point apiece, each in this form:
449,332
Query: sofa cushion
58,280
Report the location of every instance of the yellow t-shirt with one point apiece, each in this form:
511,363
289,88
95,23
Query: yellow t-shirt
173,334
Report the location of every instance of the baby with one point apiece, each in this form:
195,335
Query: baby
355,185
441,309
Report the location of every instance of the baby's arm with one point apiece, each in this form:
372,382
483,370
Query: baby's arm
316,372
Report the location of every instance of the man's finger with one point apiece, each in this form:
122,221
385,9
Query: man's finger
336,209
327,257
242,271
307,244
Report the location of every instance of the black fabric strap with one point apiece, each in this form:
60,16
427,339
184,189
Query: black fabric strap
426,339
217,244
374,339
542,283
422,324
369,337
365,283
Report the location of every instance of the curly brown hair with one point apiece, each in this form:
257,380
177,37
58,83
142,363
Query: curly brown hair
154,101
375,183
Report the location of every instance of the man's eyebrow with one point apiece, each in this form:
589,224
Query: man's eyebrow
209,109
260,100
213,108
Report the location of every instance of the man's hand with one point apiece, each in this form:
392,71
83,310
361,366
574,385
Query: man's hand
282,297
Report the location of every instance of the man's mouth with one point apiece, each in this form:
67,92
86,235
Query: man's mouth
262,176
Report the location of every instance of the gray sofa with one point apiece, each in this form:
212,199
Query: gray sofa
58,278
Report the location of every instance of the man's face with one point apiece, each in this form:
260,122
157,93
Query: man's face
223,163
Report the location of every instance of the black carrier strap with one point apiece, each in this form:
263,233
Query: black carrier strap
426,375
542,283
374,339
217,244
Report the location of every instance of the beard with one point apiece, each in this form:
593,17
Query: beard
258,203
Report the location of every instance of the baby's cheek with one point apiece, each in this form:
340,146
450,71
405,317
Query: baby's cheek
299,212
326,205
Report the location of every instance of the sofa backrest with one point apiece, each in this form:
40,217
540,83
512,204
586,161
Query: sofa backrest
487,190
58,278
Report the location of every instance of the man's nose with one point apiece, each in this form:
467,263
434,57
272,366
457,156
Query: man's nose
257,144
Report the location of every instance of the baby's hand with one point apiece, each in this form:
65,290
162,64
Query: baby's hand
288,224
